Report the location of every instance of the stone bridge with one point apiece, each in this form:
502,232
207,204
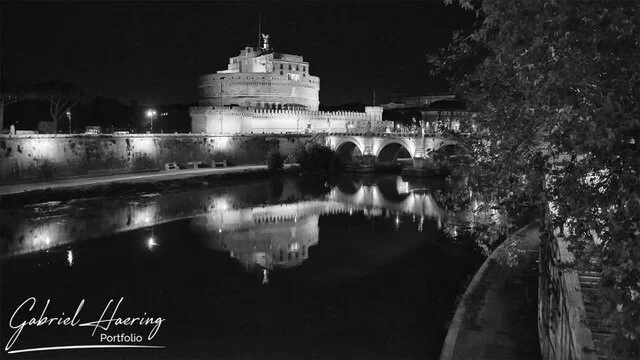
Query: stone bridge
386,148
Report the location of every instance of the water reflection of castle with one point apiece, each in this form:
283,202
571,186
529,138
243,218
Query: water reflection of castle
281,235
270,243
268,236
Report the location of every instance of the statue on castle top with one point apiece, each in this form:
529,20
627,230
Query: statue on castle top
265,40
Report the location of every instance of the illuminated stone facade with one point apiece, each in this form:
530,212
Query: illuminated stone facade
263,91
222,120
260,78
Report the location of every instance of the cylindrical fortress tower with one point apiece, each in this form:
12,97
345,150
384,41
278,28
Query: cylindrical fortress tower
261,78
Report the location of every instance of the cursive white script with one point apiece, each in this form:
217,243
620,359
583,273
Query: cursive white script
105,321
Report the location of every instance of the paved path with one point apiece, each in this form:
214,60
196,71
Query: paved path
497,316
125,178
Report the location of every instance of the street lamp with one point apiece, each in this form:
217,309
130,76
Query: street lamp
69,117
151,114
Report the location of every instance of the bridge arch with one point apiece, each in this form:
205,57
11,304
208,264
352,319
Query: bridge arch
348,148
391,152
434,144
389,147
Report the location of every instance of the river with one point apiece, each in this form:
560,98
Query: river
282,268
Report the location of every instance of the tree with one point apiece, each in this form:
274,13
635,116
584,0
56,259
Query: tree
11,93
275,160
62,96
558,88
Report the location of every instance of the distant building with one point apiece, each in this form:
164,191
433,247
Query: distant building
263,91
420,101
431,112
92,130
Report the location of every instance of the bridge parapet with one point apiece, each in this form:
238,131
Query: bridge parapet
375,143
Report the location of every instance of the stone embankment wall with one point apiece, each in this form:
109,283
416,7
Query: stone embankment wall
41,157
562,317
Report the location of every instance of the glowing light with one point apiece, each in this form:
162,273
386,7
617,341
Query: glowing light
294,246
219,231
47,240
151,242
70,257
265,277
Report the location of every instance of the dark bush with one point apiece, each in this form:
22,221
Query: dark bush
316,158
275,160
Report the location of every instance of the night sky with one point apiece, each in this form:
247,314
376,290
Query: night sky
153,52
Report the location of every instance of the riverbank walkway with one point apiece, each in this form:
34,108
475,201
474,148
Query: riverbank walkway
497,316
125,178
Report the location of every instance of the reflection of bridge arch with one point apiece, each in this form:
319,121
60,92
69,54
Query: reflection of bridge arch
347,186
392,189
349,149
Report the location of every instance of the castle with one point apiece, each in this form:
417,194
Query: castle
263,91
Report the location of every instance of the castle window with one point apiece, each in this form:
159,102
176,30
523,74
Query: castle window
281,66
289,66
297,68
281,73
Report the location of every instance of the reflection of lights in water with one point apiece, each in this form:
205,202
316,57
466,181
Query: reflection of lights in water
439,223
350,211
223,204
265,277
151,242
421,224
70,257
397,222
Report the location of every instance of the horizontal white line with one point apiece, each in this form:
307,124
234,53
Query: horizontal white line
73,347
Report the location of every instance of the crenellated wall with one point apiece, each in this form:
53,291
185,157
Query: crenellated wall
223,120
40,157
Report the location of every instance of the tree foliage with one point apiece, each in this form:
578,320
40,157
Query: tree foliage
557,87
313,157
61,95
275,160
